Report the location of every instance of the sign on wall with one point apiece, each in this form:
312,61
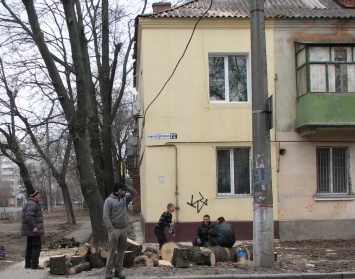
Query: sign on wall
162,136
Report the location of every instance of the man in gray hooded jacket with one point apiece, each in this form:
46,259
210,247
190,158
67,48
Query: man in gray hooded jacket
116,221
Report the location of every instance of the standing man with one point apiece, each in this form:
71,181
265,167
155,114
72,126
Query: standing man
116,221
201,237
165,221
222,234
32,227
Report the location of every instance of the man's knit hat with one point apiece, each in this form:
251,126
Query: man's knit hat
119,185
34,193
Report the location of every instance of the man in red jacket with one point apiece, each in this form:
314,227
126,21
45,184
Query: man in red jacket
32,227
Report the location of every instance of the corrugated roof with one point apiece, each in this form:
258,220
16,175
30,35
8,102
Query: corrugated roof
272,9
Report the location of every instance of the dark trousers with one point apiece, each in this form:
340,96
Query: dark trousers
159,233
33,249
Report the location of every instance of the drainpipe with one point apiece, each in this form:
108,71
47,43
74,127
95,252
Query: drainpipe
176,182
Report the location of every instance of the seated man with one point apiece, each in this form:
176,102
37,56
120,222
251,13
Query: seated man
222,234
201,238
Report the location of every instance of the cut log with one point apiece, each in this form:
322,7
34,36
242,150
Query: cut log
155,257
128,259
58,265
148,254
75,260
165,263
219,252
232,253
103,254
94,250
46,263
167,250
151,249
134,247
249,249
140,259
149,262
79,268
84,249
96,261
181,257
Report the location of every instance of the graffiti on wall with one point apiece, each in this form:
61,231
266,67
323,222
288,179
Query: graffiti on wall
198,204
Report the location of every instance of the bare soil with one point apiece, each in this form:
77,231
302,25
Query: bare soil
318,256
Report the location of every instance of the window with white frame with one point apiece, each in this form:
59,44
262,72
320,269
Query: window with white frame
233,171
228,78
332,170
325,68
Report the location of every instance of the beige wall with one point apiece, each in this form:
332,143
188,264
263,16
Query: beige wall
297,175
183,107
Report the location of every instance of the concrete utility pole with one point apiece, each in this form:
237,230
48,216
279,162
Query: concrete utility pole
263,225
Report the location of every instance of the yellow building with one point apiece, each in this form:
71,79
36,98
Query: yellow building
194,115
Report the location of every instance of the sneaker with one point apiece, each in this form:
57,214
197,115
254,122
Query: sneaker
119,275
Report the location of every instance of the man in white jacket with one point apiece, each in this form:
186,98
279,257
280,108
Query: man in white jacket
116,221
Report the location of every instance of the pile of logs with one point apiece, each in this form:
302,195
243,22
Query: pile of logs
183,255
171,254
64,243
88,257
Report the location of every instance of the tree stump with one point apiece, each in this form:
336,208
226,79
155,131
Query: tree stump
96,261
219,252
75,260
134,247
58,265
84,249
79,268
167,251
128,259
181,257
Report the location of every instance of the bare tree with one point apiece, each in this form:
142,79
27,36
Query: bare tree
77,60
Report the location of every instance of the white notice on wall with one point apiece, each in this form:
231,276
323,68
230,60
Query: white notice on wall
161,179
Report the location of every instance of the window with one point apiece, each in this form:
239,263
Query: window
325,68
228,78
332,170
233,171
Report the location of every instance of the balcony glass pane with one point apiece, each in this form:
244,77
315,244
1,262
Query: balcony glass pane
318,78
351,78
301,58
302,81
319,54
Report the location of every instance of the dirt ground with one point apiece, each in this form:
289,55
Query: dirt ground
292,257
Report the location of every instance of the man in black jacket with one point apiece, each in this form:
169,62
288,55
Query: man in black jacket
32,227
201,237
222,234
